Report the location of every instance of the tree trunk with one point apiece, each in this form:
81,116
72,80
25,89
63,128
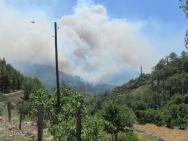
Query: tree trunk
112,137
78,123
20,122
163,86
182,87
116,136
40,122
9,111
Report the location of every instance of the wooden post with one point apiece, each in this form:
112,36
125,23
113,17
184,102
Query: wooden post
57,69
40,115
9,111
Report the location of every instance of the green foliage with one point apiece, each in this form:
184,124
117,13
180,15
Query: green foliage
184,6
150,116
177,115
64,130
92,129
29,86
63,124
10,79
24,108
156,97
117,118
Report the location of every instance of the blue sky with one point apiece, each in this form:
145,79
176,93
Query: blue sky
167,10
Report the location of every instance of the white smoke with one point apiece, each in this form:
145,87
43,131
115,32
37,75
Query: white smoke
95,46
91,44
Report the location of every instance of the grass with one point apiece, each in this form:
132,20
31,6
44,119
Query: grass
8,138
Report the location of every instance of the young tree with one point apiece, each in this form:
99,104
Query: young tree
39,101
117,118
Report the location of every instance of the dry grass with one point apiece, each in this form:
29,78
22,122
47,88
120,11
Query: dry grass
163,132
143,137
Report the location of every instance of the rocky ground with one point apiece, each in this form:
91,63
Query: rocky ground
10,131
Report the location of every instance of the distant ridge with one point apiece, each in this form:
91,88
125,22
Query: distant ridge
46,74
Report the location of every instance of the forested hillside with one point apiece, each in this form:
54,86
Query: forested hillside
12,80
170,75
160,97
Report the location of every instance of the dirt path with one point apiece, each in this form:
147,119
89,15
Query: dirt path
14,97
163,133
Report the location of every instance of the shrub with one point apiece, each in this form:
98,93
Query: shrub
150,116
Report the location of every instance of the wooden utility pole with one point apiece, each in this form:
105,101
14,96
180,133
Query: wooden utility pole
57,70
141,71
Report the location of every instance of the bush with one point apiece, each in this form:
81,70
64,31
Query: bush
150,116
177,115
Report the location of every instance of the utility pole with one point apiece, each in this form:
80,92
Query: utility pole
141,71
57,70
79,122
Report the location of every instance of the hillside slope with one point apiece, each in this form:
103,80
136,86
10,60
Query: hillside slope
160,97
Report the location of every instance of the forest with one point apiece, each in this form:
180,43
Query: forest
158,98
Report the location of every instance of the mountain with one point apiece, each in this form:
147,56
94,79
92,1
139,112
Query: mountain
46,74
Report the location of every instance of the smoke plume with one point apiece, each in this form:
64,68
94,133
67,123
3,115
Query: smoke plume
91,44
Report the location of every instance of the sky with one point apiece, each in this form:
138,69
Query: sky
98,39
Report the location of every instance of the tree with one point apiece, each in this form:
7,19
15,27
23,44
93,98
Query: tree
177,115
24,108
39,101
73,122
117,118
92,129
184,7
